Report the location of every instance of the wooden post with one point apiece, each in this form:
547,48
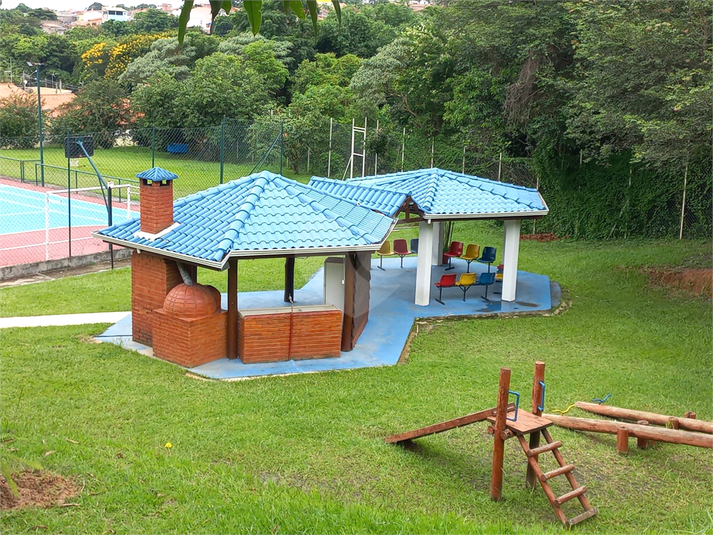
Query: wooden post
232,332
622,440
530,478
641,443
496,478
289,279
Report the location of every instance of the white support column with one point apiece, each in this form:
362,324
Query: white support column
423,266
437,253
511,248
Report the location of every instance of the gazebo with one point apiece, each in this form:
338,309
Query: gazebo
263,215
433,196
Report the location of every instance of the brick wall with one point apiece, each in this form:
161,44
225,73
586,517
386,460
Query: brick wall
152,278
189,342
156,211
266,337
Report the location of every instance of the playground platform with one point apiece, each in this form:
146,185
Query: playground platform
391,316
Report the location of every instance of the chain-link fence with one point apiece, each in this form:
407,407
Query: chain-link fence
585,200
49,204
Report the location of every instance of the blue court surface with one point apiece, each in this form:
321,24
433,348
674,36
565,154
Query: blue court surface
391,316
25,210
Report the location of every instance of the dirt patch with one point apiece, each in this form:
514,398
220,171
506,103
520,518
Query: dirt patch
696,282
36,489
543,237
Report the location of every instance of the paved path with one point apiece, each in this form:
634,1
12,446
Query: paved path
62,319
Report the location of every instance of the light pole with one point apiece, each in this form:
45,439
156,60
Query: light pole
39,120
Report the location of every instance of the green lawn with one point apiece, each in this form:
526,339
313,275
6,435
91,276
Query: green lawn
303,453
126,162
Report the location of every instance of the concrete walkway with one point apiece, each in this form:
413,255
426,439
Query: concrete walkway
62,319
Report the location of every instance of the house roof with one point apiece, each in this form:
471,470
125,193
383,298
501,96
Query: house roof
263,214
442,194
382,200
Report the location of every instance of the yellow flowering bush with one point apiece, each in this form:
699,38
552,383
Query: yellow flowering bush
128,49
95,59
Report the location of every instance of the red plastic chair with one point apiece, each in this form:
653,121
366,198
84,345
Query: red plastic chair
454,251
401,249
447,281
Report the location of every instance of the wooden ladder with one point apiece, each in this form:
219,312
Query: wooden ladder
564,469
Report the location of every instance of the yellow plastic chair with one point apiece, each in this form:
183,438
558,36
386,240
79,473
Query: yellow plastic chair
384,250
471,253
465,282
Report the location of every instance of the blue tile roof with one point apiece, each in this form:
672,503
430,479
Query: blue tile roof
255,215
156,174
382,200
440,193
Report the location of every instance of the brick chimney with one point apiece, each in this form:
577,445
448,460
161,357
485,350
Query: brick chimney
156,199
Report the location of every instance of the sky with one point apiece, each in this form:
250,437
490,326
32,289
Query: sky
80,4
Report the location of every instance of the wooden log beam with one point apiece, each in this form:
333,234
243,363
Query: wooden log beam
444,426
690,424
673,436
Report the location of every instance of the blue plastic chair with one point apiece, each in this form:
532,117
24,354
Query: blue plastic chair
485,279
488,256
414,245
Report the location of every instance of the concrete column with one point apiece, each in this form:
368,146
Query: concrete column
437,253
511,248
423,266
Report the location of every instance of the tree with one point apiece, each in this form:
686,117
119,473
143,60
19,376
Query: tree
253,12
96,6
166,56
222,86
643,82
42,14
155,102
357,34
99,107
261,56
115,28
325,69
18,116
152,21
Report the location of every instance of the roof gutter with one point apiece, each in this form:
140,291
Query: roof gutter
501,215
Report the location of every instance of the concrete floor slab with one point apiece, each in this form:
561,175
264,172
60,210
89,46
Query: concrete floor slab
391,316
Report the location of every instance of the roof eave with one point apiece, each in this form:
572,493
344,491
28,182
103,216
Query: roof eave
163,252
499,215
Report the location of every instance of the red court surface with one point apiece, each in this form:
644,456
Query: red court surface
33,246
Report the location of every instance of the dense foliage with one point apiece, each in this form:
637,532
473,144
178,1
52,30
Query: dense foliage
609,103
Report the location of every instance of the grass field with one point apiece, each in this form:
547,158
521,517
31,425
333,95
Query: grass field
303,453
125,163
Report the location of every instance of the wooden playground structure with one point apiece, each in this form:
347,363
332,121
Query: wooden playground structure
508,421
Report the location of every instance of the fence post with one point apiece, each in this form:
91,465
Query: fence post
500,166
282,144
308,155
110,219
433,149
222,148
463,170
376,154
683,202
69,198
153,145
329,157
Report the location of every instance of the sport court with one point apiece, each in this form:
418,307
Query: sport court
36,223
